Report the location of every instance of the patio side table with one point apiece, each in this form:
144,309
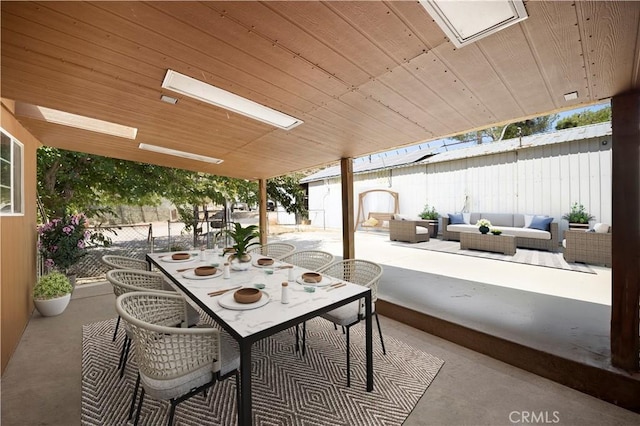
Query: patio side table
488,242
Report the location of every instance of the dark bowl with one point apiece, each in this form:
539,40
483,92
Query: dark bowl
180,256
247,295
205,270
265,261
311,277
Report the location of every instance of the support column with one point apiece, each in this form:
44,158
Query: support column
348,236
625,295
262,208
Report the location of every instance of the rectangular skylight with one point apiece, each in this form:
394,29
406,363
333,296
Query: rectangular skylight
176,153
465,22
73,120
205,92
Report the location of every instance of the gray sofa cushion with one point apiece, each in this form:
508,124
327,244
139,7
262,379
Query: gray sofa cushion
498,219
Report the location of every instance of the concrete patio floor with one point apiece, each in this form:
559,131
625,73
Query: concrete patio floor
42,383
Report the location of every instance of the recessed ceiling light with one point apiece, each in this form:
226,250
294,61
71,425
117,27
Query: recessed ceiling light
465,22
205,92
176,153
168,99
570,96
73,120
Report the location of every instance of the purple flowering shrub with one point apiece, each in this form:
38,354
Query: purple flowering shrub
63,241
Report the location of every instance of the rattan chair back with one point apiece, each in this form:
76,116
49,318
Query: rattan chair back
124,262
309,259
274,250
357,271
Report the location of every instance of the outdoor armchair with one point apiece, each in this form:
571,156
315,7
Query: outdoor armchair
309,259
124,262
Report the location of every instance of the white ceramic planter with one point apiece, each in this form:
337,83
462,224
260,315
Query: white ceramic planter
52,307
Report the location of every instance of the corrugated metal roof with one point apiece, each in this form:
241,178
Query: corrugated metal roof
425,157
362,165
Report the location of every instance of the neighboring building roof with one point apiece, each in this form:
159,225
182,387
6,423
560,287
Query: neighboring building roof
363,165
540,139
424,157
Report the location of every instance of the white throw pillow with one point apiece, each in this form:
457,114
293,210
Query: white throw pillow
467,218
602,228
527,219
399,216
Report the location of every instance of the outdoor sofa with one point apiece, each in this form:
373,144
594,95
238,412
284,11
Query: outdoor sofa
515,224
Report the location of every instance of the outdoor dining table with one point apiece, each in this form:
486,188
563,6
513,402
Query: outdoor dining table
248,324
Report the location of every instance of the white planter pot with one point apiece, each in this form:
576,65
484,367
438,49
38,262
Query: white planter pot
52,307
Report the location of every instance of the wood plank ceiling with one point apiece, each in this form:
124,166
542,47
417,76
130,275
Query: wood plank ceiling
364,76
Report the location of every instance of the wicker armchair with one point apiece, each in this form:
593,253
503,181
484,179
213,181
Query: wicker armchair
357,271
274,250
588,247
309,259
124,262
412,231
174,363
130,280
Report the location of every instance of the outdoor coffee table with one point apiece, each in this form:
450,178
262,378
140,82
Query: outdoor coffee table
488,242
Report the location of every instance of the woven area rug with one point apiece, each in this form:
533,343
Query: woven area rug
288,389
526,256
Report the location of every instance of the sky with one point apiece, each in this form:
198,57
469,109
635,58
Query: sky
438,145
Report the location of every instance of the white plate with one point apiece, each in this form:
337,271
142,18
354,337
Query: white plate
227,301
325,281
168,259
191,275
273,265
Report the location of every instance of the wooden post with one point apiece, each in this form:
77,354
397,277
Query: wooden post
348,236
625,295
262,200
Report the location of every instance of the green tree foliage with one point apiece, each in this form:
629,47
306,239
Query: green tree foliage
585,117
70,181
513,130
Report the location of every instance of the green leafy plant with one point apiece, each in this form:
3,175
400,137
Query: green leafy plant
496,231
429,213
243,238
52,285
578,214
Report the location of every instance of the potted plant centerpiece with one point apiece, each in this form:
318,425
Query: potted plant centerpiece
578,217
431,215
52,293
243,239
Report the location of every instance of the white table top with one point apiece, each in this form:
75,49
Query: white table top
248,322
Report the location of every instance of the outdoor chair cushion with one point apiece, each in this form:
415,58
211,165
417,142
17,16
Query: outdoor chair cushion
347,314
456,219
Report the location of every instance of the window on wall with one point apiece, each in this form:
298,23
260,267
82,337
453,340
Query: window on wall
11,176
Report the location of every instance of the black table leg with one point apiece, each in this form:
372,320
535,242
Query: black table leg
245,384
369,339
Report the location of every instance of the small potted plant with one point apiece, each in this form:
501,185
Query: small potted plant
52,293
578,217
483,226
243,239
431,215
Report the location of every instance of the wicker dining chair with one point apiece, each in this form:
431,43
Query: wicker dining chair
130,280
309,259
274,250
174,363
357,271
124,262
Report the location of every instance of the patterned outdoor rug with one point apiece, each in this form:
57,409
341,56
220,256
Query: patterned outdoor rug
288,389
526,256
